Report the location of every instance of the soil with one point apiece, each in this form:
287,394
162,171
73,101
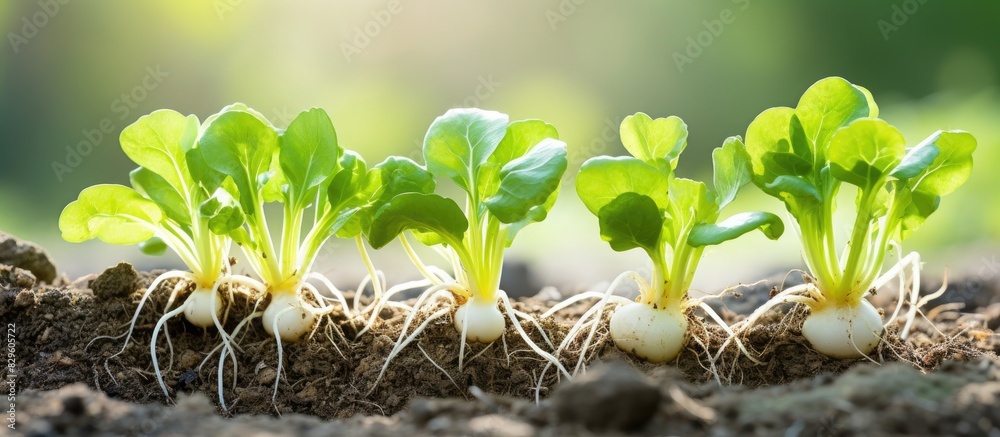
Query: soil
933,382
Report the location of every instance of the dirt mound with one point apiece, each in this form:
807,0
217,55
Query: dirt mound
423,391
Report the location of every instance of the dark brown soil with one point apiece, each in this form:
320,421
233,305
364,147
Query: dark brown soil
932,381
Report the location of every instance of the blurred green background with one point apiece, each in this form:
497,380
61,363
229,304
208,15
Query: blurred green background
384,70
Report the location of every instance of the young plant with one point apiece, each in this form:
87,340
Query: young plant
510,173
321,188
803,156
303,168
641,204
164,208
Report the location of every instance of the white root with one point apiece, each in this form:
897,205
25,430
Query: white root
222,359
911,260
152,346
145,295
524,335
592,316
428,297
337,294
789,295
729,332
384,300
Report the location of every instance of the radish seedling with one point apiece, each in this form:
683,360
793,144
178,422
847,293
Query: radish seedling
510,173
641,204
165,207
301,167
803,155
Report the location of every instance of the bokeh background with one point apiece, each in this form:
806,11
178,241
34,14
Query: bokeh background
384,70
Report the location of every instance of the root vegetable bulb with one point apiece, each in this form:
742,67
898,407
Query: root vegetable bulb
656,335
199,307
843,331
289,316
485,321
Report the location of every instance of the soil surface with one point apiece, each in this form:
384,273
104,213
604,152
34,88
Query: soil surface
943,379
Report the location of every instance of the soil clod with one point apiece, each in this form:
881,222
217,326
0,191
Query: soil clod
116,282
28,256
612,396
13,277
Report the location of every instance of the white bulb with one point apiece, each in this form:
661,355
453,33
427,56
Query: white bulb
486,322
655,335
198,309
294,319
844,332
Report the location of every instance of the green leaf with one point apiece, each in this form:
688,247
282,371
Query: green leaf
157,189
520,137
864,152
707,234
273,186
354,187
419,212
429,239
535,214
951,168
652,140
872,106
114,214
460,141
208,177
769,146
308,154
732,170
604,178
828,105
237,107
921,194
239,145
396,176
528,181
918,158
222,212
402,175
158,142
153,246
690,203
631,221
792,186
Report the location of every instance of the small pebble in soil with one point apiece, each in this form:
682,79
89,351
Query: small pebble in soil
74,405
187,380
266,376
116,282
24,299
14,277
609,397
